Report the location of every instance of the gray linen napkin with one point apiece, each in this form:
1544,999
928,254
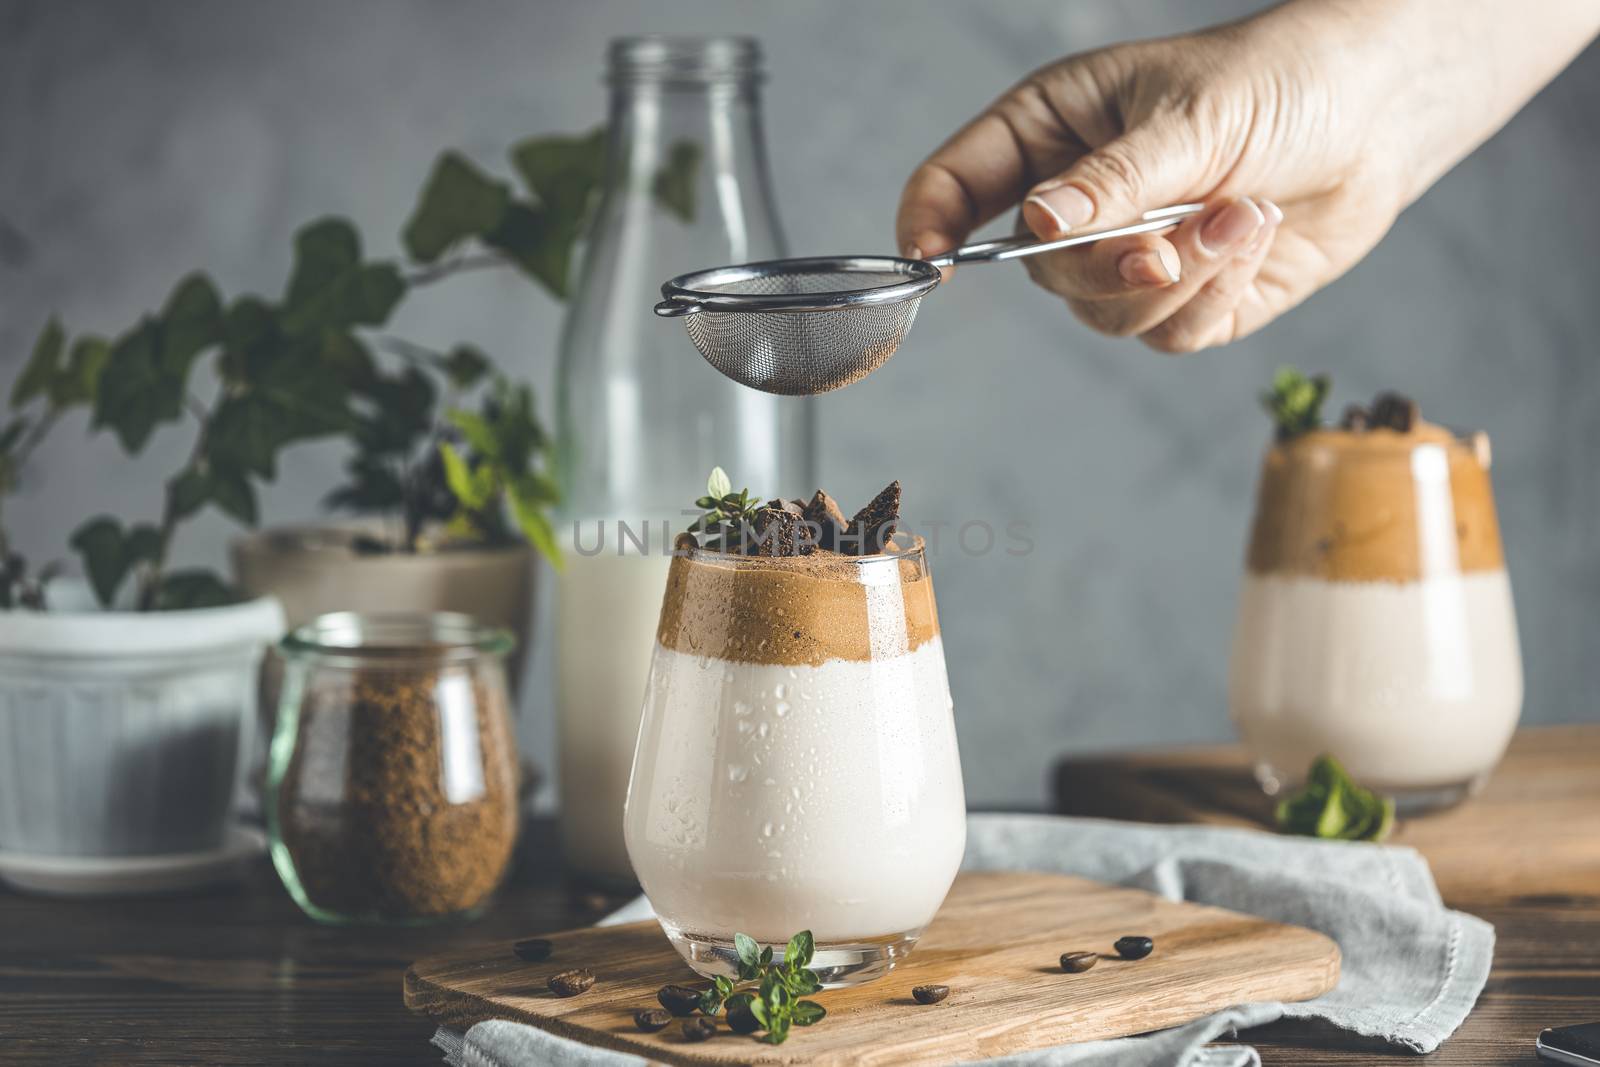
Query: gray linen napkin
1411,967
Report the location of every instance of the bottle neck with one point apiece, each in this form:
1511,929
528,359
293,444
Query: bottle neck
720,123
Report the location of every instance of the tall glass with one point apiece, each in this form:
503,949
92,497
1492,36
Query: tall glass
797,766
1375,617
641,417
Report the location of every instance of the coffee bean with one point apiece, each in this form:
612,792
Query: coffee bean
741,1021
651,1019
533,950
930,994
679,999
571,983
1078,962
699,1028
1134,947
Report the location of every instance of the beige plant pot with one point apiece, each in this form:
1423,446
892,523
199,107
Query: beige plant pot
313,570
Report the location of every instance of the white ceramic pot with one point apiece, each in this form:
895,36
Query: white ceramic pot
123,734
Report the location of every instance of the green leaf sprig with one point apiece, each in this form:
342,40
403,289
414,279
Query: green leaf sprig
1331,805
770,994
1295,401
726,514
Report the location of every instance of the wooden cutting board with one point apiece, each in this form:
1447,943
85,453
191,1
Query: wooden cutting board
995,943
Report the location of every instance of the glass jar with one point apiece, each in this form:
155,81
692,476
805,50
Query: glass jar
391,789
641,417
1375,618
797,765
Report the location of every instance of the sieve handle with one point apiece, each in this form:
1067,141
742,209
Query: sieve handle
1027,245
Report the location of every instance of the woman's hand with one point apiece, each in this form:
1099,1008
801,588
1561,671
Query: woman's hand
1306,130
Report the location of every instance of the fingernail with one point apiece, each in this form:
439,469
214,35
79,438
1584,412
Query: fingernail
1274,212
1065,206
1149,268
913,252
1231,227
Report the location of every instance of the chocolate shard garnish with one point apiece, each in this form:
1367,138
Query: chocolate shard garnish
777,533
1356,419
869,531
1395,411
825,520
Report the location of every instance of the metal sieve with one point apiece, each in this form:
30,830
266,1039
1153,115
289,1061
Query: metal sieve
799,327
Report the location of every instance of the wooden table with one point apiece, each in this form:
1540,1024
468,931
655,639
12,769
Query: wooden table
238,976
1525,855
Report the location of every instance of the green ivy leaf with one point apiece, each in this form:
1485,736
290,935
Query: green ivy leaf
529,509
188,589
362,296
465,366
458,201
673,185
539,242
471,488
566,173
40,370
77,383
191,322
478,431
189,493
136,392
109,553
324,251
248,429
808,1012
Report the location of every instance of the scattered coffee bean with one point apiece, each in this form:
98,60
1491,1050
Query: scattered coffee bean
651,1019
1134,947
1078,962
533,950
930,994
699,1028
571,983
679,999
742,1021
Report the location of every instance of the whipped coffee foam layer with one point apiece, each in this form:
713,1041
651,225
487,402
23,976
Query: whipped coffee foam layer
1410,685
768,799
796,611
1374,506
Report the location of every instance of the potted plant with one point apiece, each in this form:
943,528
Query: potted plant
125,701
451,497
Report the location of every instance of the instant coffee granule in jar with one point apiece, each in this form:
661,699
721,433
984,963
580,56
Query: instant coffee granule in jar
392,796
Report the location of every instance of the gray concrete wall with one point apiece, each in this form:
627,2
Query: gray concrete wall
140,140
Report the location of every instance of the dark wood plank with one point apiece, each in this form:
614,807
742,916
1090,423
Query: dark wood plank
238,976
1525,855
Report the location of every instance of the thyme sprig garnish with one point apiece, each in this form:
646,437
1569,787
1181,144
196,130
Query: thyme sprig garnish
768,996
727,515
1295,401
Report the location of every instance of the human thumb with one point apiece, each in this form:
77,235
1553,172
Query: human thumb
1150,166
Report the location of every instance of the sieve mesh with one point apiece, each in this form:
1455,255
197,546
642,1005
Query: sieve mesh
809,351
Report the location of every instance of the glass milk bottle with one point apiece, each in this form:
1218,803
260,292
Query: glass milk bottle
642,418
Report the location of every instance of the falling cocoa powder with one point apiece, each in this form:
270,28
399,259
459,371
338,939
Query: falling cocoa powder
399,801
